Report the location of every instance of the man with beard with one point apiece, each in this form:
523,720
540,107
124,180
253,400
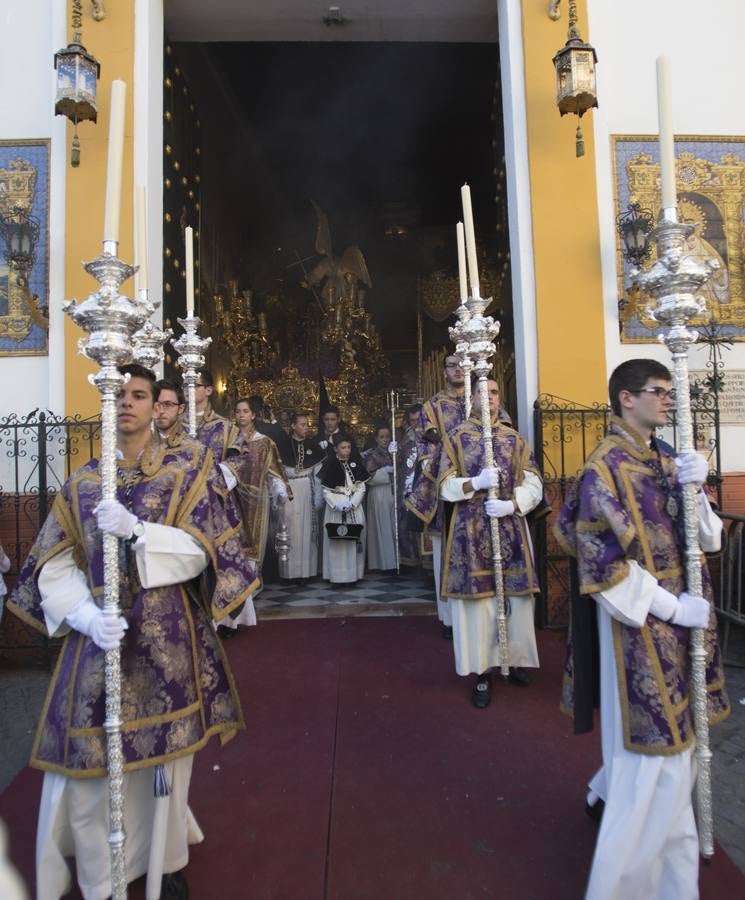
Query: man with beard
441,414
302,465
176,688
468,574
623,523
169,408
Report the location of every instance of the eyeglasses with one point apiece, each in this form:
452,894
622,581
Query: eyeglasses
165,404
453,366
199,384
660,393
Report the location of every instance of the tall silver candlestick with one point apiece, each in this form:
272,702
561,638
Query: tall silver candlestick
148,342
478,332
675,281
190,348
110,319
392,403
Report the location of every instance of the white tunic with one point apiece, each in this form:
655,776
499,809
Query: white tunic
73,814
381,529
302,520
647,845
344,561
475,621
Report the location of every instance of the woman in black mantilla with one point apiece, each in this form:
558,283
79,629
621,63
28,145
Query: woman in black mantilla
343,477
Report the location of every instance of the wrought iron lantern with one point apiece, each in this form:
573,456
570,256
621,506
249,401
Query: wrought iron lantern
20,230
635,227
77,74
576,84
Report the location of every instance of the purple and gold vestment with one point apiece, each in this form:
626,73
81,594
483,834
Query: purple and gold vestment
177,690
467,555
216,433
618,511
442,413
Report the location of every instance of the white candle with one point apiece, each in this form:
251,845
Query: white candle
116,156
665,116
473,268
141,201
189,272
461,262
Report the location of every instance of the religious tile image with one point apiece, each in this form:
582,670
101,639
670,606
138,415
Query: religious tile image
24,247
710,180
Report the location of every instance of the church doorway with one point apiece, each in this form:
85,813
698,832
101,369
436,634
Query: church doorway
322,178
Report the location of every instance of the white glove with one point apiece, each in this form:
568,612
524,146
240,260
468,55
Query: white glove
387,469
409,483
279,499
113,518
692,469
105,631
323,444
486,479
393,447
691,612
497,509
345,506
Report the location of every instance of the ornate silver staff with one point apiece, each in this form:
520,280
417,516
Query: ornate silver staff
392,403
190,348
110,319
674,281
480,332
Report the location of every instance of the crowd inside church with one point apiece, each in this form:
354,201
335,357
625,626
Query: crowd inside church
198,520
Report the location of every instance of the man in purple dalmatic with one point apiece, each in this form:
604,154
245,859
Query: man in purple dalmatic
468,578
214,431
440,414
623,523
181,565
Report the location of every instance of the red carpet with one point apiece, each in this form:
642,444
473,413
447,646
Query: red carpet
365,773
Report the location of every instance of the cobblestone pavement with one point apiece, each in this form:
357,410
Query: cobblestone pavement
22,693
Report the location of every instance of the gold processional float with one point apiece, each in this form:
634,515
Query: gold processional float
277,347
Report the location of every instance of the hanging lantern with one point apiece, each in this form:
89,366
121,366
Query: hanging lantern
77,74
576,85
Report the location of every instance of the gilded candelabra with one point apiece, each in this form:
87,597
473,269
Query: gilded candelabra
110,320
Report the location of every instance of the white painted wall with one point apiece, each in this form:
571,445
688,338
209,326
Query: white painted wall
705,46
34,30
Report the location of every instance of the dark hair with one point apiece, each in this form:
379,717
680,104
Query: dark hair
247,401
380,426
633,375
414,408
341,438
256,403
135,370
332,409
166,384
489,377
297,415
206,377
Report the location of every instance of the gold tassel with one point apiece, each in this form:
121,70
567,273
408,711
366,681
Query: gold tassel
580,145
75,152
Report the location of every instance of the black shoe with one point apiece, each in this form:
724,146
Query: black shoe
174,887
225,633
595,812
518,676
481,694
447,632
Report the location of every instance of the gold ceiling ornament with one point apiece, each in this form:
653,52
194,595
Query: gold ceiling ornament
439,293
